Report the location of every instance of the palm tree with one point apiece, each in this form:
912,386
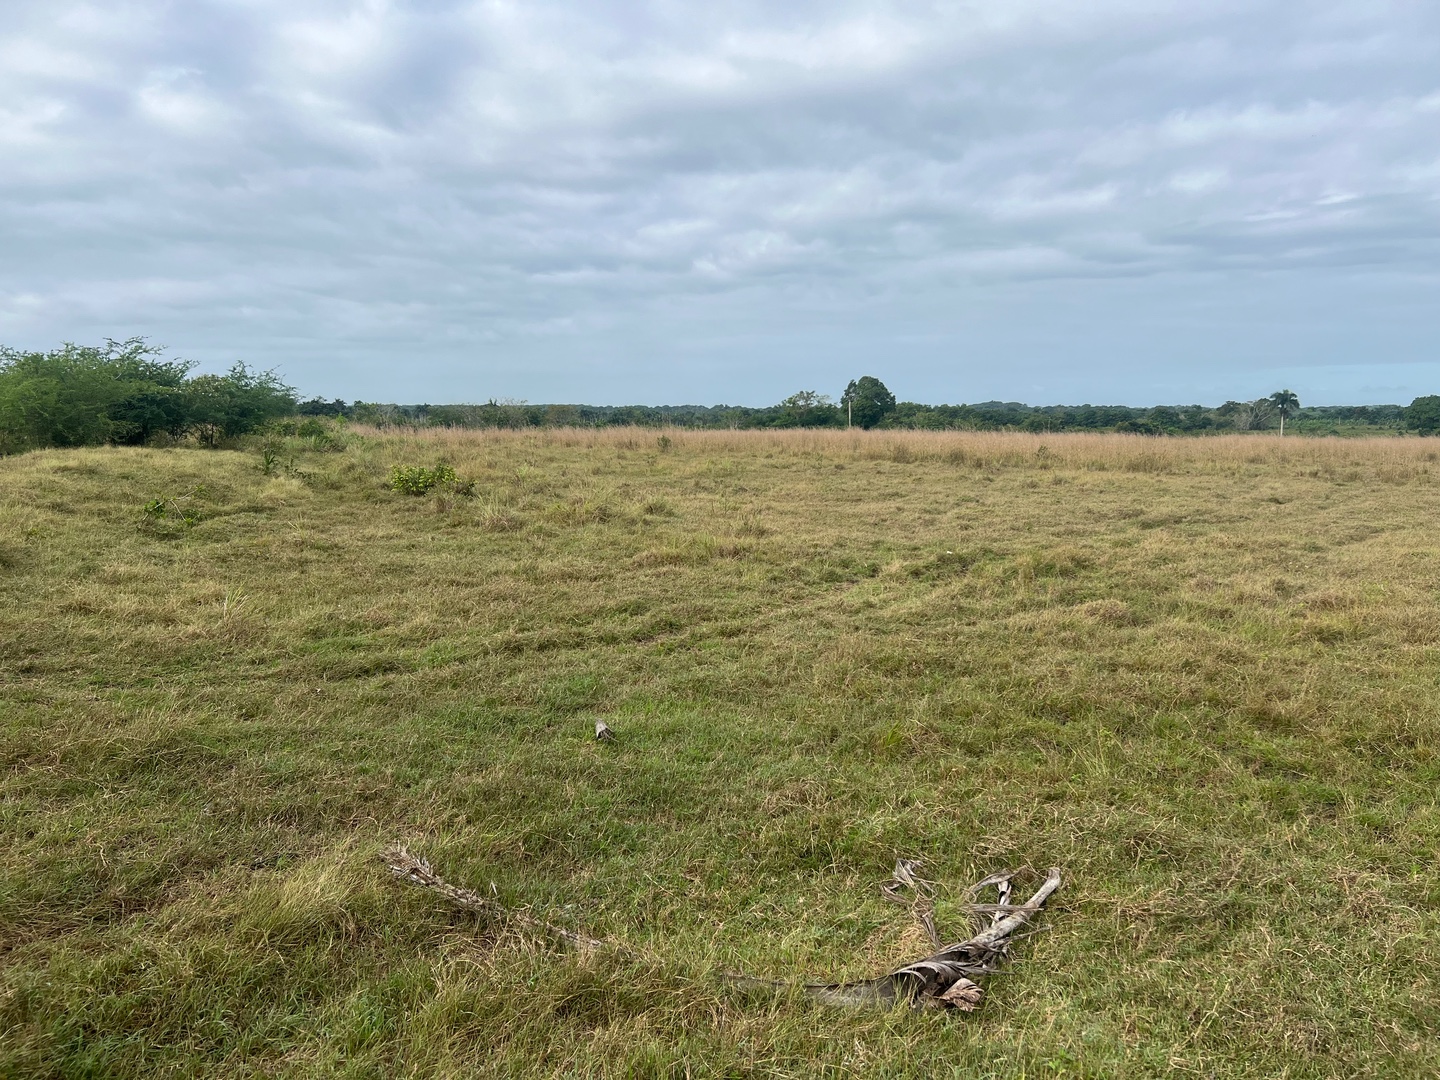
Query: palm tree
1286,404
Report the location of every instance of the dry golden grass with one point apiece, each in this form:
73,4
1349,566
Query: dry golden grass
1198,674
1128,453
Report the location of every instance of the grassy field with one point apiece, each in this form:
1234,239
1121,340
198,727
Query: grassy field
1199,675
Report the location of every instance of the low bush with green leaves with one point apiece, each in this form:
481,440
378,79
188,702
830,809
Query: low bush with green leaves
418,480
125,392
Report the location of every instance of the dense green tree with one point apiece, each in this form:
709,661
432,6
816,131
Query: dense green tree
224,406
867,401
806,409
1423,415
154,400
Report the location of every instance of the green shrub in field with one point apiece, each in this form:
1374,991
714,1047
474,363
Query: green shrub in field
125,392
417,480
323,435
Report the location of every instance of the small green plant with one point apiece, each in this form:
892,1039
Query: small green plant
417,480
269,460
184,510
664,442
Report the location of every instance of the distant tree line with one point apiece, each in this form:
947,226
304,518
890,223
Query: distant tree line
867,403
126,392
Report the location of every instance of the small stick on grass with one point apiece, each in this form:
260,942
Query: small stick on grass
418,871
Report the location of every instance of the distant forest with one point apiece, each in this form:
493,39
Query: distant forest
812,410
127,392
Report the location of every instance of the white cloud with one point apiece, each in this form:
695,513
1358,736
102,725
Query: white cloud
177,99
1199,181
1253,122
327,178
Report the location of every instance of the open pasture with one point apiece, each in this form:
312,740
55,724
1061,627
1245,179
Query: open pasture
1198,675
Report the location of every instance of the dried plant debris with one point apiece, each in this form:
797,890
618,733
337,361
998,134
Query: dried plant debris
418,871
603,732
906,876
945,978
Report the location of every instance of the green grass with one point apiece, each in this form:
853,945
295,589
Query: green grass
1199,675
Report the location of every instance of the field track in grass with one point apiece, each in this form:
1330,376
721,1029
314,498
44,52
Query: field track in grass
1198,674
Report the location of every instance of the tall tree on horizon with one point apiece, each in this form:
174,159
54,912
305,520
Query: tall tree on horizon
867,401
1286,403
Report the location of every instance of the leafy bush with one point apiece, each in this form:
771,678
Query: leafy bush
240,401
124,392
417,480
323,436
76,396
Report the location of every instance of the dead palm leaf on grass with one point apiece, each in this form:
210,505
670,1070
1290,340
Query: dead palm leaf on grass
944,978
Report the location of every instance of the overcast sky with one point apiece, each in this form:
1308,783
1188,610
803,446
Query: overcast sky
1129,201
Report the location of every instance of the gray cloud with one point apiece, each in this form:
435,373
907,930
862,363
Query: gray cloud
1125,200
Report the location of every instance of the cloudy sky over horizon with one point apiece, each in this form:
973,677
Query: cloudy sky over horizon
1128,201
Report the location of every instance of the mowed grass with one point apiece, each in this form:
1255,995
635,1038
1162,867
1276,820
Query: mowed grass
1199,675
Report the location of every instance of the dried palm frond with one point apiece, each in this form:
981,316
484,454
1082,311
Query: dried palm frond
945,978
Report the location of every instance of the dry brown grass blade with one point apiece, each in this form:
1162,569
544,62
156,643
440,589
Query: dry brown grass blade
941,979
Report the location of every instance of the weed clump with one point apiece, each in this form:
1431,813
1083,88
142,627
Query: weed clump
418,480
185,510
